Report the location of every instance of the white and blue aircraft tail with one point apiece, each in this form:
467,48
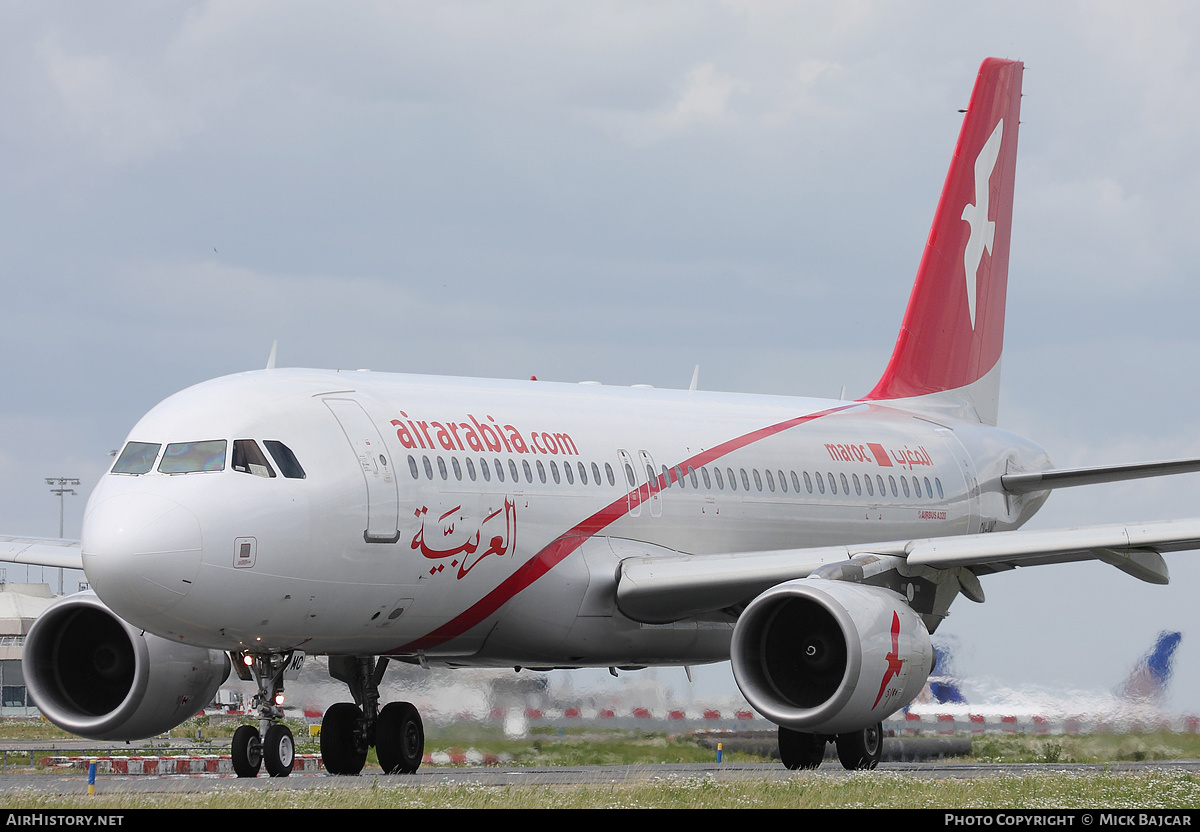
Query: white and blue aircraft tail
1140,698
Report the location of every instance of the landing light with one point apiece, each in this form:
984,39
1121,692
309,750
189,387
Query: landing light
279,698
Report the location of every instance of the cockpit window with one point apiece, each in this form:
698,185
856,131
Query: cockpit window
289,466
190,457
137,458
249,459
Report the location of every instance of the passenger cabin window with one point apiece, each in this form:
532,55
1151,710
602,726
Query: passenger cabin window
289,466
193,457
248,458
136,458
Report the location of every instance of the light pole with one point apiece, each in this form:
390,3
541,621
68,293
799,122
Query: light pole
60,486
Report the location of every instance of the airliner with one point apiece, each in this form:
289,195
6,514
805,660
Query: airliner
379,518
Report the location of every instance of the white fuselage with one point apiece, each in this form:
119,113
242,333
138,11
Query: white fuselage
395,541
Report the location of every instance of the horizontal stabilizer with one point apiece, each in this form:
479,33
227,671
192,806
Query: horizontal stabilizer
41,551
1066,477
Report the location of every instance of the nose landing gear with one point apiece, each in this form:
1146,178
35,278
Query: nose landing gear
271,742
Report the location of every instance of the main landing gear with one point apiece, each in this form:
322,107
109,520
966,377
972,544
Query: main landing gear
271,742
856,749
349,729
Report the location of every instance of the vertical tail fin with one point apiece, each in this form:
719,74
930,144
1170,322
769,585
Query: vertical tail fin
1148,680
948,353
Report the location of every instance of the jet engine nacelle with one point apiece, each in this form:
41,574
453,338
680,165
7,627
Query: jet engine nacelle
92,674
826,657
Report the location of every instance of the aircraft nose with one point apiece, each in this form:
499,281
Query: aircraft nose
141,550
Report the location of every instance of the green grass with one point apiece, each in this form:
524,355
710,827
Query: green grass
1165,790
1085,748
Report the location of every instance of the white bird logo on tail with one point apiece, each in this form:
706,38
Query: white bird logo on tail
983,230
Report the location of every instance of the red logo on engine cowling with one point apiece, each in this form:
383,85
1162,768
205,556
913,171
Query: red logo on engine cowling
893,659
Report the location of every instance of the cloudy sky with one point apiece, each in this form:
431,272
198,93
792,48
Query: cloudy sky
612,191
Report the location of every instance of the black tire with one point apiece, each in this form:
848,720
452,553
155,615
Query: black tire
861,749
279,750
800,751
399,739
246,751
341,750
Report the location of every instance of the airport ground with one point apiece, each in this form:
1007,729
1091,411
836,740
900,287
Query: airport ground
639,769
735,785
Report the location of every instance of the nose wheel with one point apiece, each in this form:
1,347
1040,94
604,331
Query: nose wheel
250,751
246,751
279,750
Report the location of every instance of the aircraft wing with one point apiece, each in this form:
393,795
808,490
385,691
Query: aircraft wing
658,589
41,551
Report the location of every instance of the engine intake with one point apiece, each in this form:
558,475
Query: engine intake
96,676
823,656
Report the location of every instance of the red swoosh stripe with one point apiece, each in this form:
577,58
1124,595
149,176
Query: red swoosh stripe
565,544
